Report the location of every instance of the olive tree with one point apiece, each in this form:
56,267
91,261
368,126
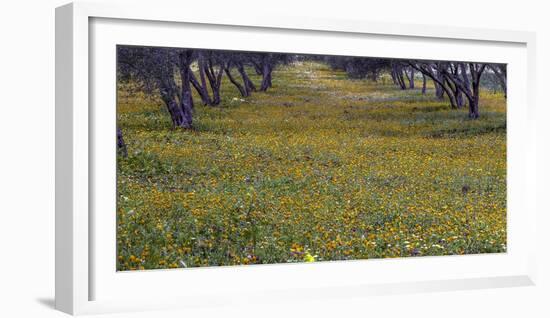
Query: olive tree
156,69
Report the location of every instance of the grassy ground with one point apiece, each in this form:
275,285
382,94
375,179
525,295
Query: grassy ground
318,168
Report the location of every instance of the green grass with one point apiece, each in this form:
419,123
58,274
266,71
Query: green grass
320,167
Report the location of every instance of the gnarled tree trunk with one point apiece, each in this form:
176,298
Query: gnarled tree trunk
266,73
411,78
200,84
169,95
423,84
469,85
242,90
121,145
473,103
501,75
248,84
397,71
439,87
215,80
435,72
186,100
202,90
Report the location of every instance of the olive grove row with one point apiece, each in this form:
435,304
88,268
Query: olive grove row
174,73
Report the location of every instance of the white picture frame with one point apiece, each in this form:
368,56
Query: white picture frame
86,281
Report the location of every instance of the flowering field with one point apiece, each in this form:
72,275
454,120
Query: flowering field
318,168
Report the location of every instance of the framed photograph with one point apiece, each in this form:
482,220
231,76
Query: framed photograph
222,159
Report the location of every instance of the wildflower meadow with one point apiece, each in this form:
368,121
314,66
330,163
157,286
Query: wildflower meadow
321,165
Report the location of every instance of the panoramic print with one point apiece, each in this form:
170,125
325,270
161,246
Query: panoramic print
231,158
